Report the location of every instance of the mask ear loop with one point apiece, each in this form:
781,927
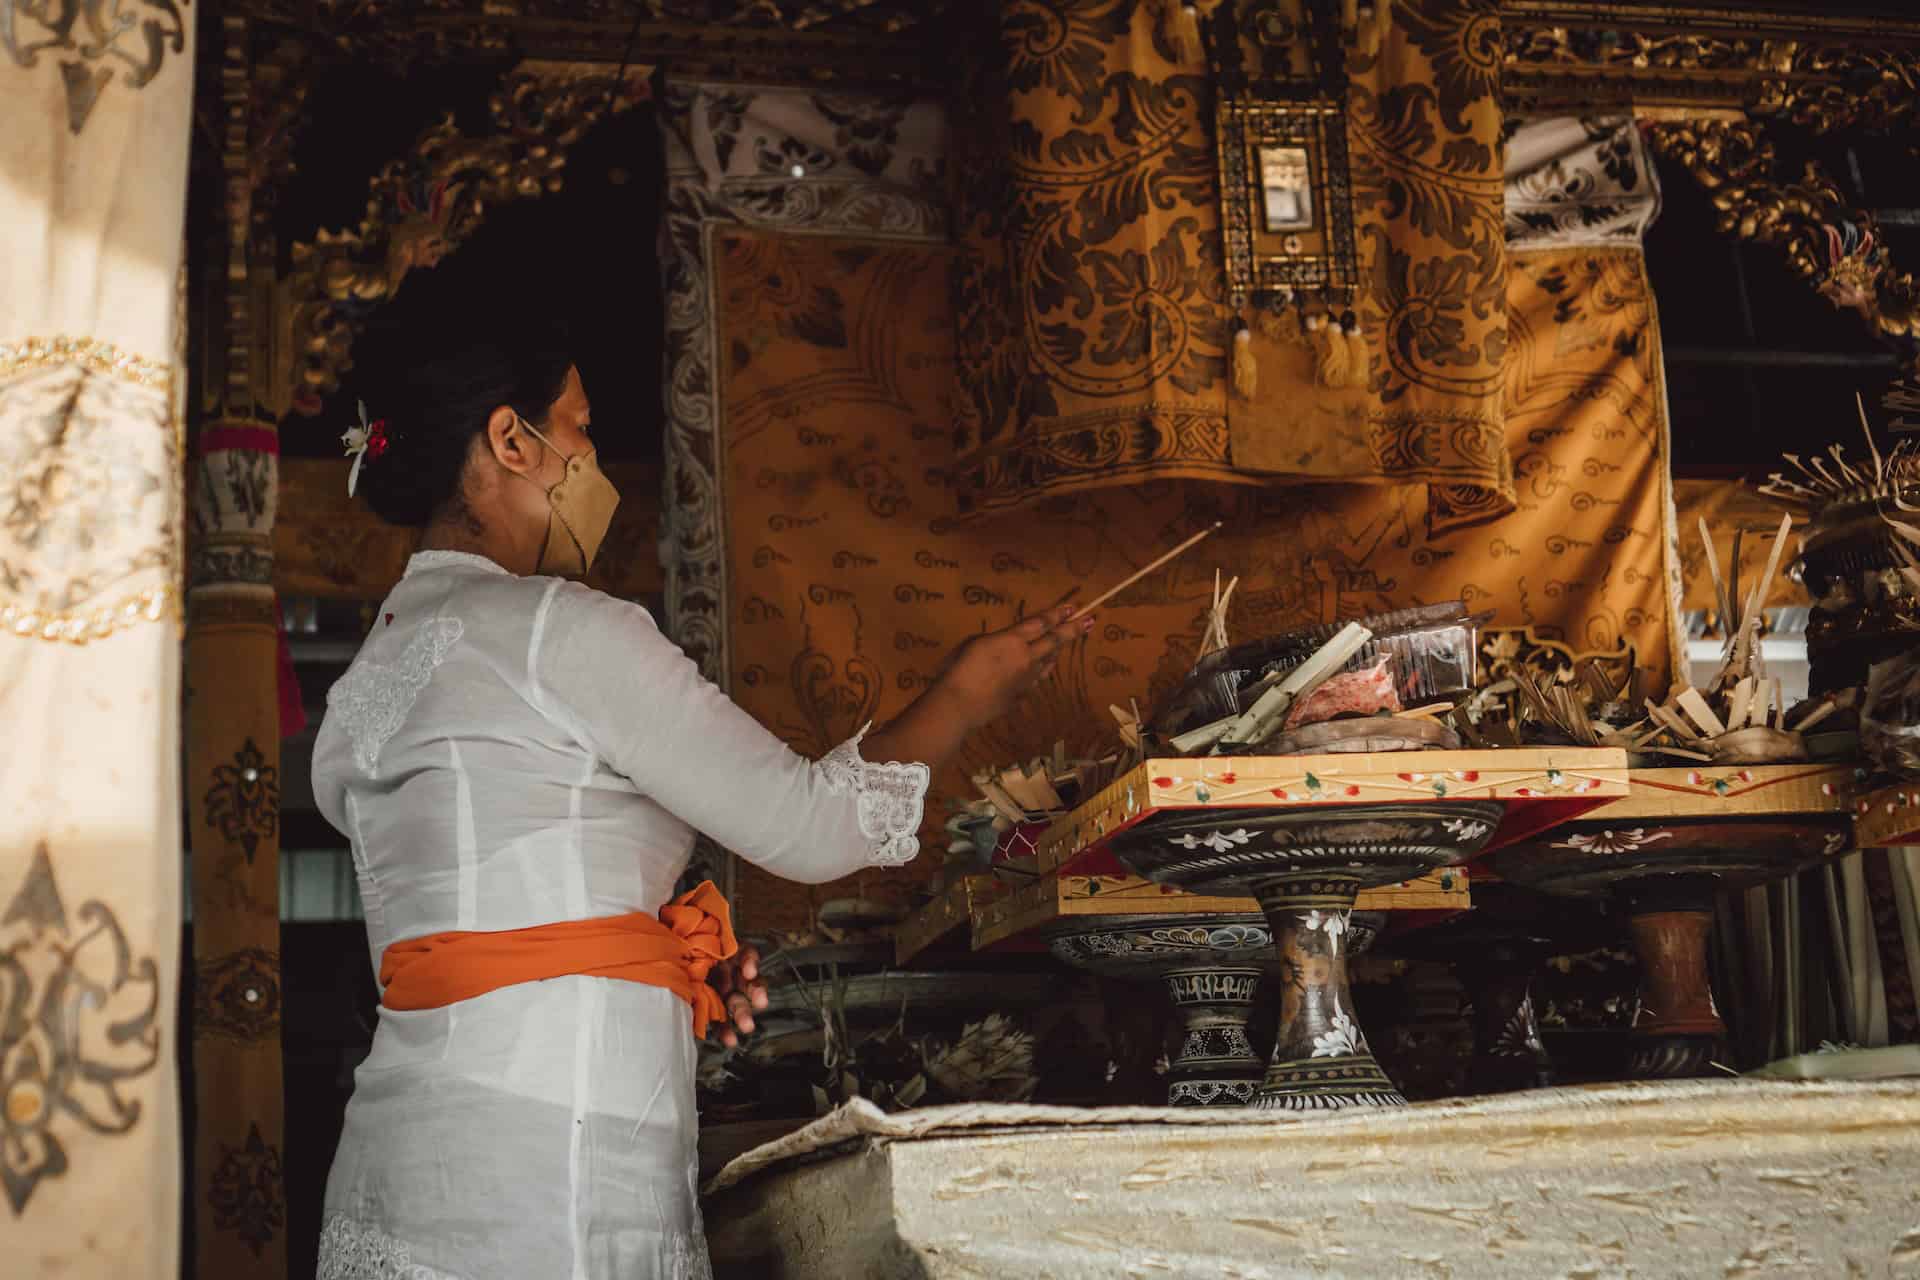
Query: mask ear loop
553,515
535,433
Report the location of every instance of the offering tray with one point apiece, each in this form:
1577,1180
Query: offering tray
1888,817
1680,837
949,911
1027,915
1538,788
1303,836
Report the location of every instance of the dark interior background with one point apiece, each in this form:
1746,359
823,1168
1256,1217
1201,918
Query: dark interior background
584,259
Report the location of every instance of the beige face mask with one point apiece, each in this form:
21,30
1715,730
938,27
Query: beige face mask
582,505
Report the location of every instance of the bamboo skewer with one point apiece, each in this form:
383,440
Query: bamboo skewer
1253,724
1138,574
1713,568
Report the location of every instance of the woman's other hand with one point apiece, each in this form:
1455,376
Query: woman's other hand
988,673
738,981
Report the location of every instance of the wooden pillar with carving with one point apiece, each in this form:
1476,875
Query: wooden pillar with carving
233,748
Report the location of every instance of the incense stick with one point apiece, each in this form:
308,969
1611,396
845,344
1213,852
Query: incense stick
1138,574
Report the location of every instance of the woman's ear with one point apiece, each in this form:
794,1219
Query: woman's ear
511,444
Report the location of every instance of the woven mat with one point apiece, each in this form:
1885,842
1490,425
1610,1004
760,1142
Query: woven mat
861,1123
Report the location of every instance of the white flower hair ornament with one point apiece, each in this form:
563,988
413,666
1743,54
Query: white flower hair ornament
368,440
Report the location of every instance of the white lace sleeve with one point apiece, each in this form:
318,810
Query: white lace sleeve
891,799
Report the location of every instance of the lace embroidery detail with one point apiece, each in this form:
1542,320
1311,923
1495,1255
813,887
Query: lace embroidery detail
891,798
425,561
690,1260
373,699
355,1250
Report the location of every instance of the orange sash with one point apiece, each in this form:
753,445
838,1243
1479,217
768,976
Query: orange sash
697,933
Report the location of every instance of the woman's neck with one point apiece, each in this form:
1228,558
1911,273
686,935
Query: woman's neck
465,532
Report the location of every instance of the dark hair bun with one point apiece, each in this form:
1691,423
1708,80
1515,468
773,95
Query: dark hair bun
435,386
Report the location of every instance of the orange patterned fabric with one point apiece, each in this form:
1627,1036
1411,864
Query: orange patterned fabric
849,579
675,950
1093,334
1094,327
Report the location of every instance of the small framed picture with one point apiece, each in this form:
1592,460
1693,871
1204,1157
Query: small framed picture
1286,188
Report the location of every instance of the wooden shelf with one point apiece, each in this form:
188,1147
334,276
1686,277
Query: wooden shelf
1032,907
953,908
1726,791
1887,817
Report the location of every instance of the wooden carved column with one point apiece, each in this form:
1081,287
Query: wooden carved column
233,756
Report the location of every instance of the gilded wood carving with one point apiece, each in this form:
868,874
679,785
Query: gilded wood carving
420,209
1835,247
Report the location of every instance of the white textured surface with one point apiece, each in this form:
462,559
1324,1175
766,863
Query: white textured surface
1697,1178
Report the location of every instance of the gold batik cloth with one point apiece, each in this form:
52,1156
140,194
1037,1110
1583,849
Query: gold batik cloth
819,571
1728,504
1423,126
1093,323
1089,297
94,198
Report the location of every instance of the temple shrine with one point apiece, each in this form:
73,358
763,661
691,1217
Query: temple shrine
1457,463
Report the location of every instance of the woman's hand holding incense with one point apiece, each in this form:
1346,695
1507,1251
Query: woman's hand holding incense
980,683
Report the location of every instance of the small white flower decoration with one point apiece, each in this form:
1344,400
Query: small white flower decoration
1465,828
1344,1038
367,439
1218,841
1627,840
1332,923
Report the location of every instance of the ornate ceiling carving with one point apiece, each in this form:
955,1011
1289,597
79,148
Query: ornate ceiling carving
422,207
762,40
1836,248
1822,69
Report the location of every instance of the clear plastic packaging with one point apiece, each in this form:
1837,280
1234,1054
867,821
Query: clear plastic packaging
1432,648
1890,716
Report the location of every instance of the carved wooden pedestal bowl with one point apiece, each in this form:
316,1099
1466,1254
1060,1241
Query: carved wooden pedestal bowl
1663,855
1212,965
1305,866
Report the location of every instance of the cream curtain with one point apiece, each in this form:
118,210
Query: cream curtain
93,175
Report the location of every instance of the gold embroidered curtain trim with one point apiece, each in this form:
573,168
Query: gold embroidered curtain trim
99,112
90,448
88,353
151,605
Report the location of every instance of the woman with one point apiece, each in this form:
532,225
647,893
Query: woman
520,764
